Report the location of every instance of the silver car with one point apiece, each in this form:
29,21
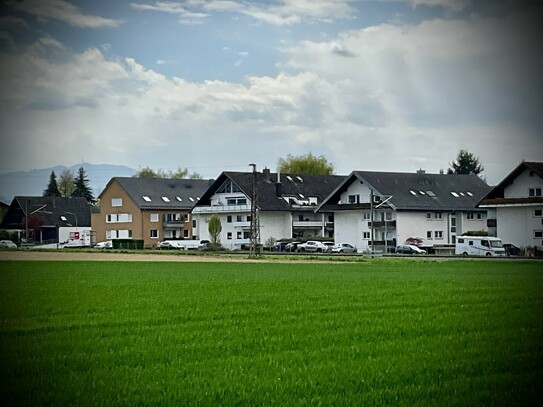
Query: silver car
344,248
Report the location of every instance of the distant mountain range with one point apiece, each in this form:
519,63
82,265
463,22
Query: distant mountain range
33,182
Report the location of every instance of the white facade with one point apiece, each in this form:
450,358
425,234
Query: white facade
521,225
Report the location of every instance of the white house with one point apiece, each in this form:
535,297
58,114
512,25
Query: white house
517,203
286,206
432,207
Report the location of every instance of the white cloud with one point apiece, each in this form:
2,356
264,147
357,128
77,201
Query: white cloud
61,10
385,98
285,12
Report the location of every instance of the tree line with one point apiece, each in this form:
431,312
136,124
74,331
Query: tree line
78,186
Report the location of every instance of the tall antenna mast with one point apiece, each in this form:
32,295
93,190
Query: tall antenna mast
255,222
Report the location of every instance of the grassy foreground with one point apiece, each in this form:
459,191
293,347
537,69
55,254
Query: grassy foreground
381,332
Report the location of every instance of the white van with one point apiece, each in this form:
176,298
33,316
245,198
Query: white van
479,246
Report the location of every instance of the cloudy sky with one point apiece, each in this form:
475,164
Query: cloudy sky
212,85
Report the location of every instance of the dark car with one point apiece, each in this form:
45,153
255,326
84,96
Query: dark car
280,246
512,250
409,249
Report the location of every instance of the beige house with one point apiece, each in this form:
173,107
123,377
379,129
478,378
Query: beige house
150,209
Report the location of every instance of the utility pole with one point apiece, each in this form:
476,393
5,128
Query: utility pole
255,223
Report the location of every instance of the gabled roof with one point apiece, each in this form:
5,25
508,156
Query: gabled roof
496,194
300,187
416,191
162,193
50,209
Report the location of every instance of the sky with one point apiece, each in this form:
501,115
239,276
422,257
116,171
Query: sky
384,85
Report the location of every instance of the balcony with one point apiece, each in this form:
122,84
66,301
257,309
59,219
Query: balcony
381,224
174,223
307,224
221,209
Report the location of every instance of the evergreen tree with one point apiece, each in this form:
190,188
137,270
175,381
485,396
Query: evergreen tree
82,188
52,187
466,163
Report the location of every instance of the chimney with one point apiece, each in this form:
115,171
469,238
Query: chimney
266,173
421,171
278,185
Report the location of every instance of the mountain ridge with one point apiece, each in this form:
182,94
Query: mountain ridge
33,182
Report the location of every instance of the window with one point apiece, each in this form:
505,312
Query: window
179,198
228,187
428,215
454,194
165,199
239,235
438,234
246,235
248,218
236,201
185,233
229,219
366,216
238,218
153,234
153,217
413,192
534,192
429,234
470,216
118,234
229,235
116,201
194,223
119,218
146,198
474,216
460,240
430,193
538,234
438,215
366,235
538,213
354,199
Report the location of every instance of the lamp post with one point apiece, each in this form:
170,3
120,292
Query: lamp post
75,216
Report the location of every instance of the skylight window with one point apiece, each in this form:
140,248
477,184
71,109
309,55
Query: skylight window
191,199
179,199
146,198
462,194
430,193
422,193
290,178
299,178
413,192
469,193
165,199
302,196
454,194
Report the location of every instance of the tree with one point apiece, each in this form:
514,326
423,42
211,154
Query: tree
82,188
305,164
214,228
180,173
466,163
52,187
66,183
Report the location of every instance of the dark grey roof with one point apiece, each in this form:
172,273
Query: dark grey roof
49,209
297,186
180,193
418,191
496,195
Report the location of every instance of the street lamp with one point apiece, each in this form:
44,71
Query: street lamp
63,218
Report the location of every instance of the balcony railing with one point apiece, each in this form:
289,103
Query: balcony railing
381,224
221,209
307,223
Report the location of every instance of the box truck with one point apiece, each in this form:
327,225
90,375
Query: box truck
479,246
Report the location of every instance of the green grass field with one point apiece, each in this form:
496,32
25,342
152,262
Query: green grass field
379,332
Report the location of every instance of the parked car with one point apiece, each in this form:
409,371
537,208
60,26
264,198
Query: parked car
312,246
108,244
280,246
343,248
292,246
7,244
409,249
512,250
329,246
166,245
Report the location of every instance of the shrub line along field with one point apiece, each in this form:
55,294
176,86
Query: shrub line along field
373,332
